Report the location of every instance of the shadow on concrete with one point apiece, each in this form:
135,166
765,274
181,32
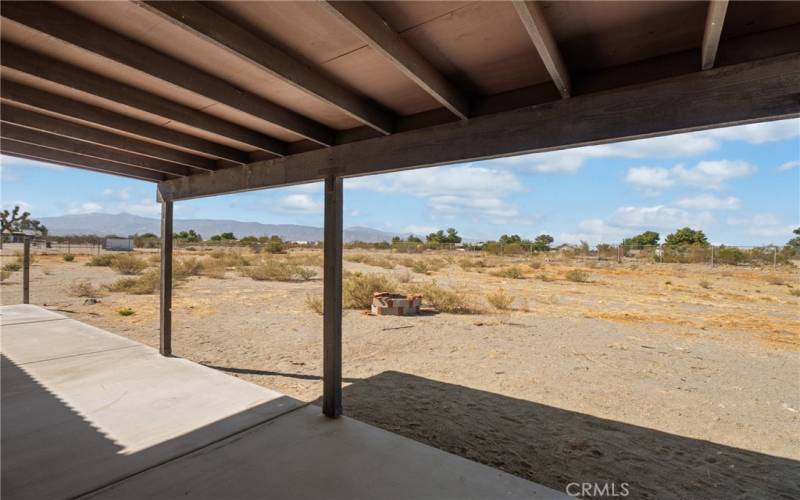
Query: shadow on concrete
268,373
555,447
50,450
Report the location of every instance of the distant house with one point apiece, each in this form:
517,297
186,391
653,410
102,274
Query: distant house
119,244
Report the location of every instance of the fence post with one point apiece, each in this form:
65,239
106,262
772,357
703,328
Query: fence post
26,270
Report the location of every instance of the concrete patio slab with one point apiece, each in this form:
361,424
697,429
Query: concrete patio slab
55,339
125,422
26,313
306,455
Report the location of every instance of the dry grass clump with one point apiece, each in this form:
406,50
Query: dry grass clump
126,311
103,260
276,270
795,292
513,272
12,267
314,303
403,276
68,257
358,289
154,258
83,288
535,265
421,267
577,276
468,264
213,268
545,277
370,260
444,299
306,259
776,280
500,300
147,283
128,264
184,268
230,259
4,274
705,284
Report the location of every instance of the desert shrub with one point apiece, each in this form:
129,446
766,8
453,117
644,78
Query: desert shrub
371,260
231,259
12,267
83,288
275,270
776,280
306,259
500,300
4,274
402,276
668,282
103,260
213,268
705,284
444,300
147,283
544,277
20,257
187,267
128,264
513,272
794,293
421,267
577,276
126,311
154,258
535,265
358,289
314,303
68,257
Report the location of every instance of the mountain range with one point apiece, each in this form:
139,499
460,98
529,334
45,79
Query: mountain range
125,224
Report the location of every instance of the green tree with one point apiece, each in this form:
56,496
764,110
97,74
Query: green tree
413,239
14,221
542,242
189,236
645,239
440,237
793,245
223,237
508,240
686,236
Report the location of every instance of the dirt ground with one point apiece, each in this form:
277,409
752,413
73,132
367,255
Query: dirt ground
681,380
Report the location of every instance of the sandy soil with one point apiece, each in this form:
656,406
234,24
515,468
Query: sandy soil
641,375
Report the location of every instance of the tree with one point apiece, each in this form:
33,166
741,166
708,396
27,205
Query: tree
508,240
413,239
395,239
686,236
223,237
14,221
452,236
542,243
646,239
189,236
439,237
794,243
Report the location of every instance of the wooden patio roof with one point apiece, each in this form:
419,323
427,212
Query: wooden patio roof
216,97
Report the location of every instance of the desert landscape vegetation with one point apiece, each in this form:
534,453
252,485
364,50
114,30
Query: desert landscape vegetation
605,364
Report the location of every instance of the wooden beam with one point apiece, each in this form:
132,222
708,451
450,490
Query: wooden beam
198,19
73,29
50,124
26,270
732,95
714,20
29,96
532,17
55,71
165,296
40,153
36,137
371,28
332,299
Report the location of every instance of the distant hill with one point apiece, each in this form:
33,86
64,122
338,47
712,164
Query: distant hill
124,224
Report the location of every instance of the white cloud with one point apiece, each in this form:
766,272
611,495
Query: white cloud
659,216
84,208
418,230
690,144
705,175
709,202
298,203
451,191
789,165
764,224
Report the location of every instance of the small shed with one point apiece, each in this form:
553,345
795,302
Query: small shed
119,244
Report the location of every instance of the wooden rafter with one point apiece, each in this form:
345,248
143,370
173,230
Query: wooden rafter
530,13
714,21
68,27
371,28
45,123
204,22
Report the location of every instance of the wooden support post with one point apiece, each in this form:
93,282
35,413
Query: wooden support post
26,271
332,304
165,344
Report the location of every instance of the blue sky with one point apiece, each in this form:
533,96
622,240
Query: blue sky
741,185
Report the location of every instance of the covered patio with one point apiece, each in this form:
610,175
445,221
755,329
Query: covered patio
206,99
